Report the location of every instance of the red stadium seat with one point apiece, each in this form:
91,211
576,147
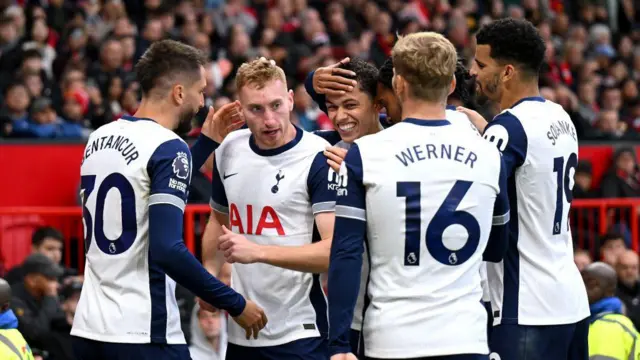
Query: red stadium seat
15,237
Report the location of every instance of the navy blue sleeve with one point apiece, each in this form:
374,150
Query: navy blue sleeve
499,235
201,149
218,195
319,99
507,133
322,182
345,264
170,172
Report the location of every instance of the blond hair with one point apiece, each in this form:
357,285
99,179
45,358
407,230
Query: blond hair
258,73
427,61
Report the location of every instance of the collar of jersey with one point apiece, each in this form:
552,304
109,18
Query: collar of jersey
278,150
530,98
133,118
423,122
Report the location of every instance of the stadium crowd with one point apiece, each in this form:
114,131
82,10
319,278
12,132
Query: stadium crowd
66,69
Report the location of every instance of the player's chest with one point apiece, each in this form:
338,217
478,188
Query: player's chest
260,183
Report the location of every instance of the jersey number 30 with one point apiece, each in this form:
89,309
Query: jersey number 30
446,216
127,213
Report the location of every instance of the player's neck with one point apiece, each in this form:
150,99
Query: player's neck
423,110
518,92
157,111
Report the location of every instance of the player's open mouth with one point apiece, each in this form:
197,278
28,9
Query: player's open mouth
347,127
271,132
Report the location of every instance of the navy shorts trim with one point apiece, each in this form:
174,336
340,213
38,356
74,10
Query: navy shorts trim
303,349
553,342
85,349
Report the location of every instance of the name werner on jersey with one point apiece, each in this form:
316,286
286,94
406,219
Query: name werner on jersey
559,128
120,143
417,153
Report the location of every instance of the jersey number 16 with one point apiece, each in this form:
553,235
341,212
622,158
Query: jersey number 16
446,216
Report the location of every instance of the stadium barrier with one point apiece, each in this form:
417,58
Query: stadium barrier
588,219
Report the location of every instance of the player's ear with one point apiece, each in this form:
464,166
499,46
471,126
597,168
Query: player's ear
290,93
508,72
452,87
178,94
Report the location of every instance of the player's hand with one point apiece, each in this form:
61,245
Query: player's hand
252,319
237,248
335,156
331,80
476,119
348,356
220,123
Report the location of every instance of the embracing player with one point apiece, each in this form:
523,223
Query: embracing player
135,177
427,182
539,300
270,186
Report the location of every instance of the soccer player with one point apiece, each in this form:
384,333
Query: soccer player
134,178
428,183
270,184
539,301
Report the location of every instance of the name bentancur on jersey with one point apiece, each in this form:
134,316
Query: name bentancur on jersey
120,143
440,151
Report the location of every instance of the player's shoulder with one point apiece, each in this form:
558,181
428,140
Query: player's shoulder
331,136
460,119
314,142
234,139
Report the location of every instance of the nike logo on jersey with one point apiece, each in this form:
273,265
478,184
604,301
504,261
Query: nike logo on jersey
225,176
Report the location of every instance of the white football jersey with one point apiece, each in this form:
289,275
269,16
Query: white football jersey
537,283
126,298
461,120
429,194
271,197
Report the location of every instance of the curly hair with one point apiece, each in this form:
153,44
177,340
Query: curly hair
366,75
514,40
385,74
465,86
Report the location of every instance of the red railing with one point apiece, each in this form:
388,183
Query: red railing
589,219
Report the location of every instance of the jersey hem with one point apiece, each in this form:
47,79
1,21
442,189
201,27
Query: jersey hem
541,322
265,343
121,339
419,353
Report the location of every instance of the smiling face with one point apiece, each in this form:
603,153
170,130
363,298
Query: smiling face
353,114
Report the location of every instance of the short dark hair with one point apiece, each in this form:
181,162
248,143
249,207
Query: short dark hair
12,85
514,40
165,62
31,54
366,75
44,232
611,236
465,85
385,74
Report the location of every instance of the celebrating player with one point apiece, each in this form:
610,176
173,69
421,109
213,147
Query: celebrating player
135,176
431,185
270,184
539,300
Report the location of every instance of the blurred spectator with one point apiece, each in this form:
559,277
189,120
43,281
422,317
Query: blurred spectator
46,241
611,334
612,245
583,179
44,122
208,338
12,344
59,345
623,180
581,258
628,270
35,300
